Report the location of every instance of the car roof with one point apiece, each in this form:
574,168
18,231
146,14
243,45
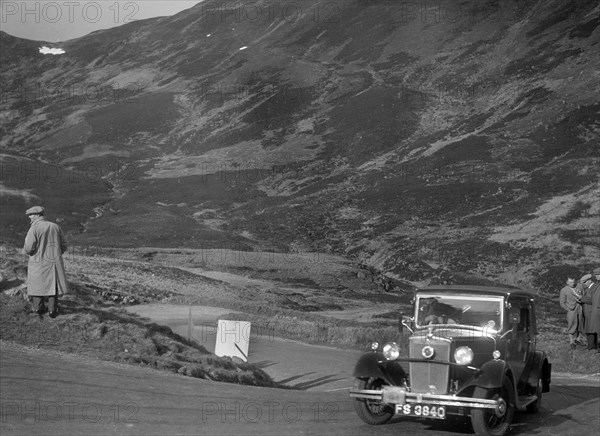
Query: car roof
488,290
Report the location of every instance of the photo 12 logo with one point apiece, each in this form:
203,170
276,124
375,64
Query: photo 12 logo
28,92
252,412
67,333
27,12
34,172
429,12
44,411
269,11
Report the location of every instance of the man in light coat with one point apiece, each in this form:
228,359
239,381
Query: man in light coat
569,300
591,300
46,279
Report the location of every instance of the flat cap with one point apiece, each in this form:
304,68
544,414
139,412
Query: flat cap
596,271
35,210
585,278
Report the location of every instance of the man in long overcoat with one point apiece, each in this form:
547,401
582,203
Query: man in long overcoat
585,285
591,297
45,245
569,300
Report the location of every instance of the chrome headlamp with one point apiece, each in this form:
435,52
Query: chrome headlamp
463,355
391,351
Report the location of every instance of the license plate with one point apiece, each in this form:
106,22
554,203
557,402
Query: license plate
421,410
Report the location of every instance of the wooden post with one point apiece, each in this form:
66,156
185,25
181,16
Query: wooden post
189,335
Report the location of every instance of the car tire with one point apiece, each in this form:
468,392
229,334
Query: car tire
485,421
371,411
536,406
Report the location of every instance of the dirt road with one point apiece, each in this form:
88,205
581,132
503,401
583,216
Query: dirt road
50,393
297,365
294,364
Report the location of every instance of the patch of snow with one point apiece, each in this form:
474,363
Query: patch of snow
53,51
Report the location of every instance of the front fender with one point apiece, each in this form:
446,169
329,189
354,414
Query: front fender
490,375
373,364
540,369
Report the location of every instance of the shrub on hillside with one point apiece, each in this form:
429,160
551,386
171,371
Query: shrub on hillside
555,277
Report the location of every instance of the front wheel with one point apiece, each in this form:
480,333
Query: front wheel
372,412
489,422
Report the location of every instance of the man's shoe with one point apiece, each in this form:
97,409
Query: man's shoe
53,314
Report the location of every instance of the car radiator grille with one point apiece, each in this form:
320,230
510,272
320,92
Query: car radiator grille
428,377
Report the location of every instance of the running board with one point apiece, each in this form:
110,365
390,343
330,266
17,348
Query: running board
526,400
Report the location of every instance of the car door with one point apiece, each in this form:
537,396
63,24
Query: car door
521,342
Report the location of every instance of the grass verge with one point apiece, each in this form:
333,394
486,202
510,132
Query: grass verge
90,328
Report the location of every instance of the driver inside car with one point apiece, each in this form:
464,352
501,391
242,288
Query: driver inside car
435,312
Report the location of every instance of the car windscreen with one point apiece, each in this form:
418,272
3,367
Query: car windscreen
477,311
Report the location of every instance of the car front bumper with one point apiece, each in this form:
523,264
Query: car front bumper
399,396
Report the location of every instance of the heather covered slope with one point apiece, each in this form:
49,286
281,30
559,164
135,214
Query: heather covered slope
463,134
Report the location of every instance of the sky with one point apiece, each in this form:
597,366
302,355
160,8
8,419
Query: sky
55,21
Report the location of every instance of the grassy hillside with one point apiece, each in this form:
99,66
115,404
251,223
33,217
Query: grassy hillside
299,297
92,320
407,138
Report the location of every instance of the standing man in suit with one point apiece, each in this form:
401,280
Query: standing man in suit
569,300
591,303
46,279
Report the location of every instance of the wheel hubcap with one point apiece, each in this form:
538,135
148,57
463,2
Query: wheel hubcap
501,409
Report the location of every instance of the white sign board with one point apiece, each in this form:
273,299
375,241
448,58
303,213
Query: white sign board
233,339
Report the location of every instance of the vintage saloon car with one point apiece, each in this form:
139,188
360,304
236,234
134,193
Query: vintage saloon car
471,352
